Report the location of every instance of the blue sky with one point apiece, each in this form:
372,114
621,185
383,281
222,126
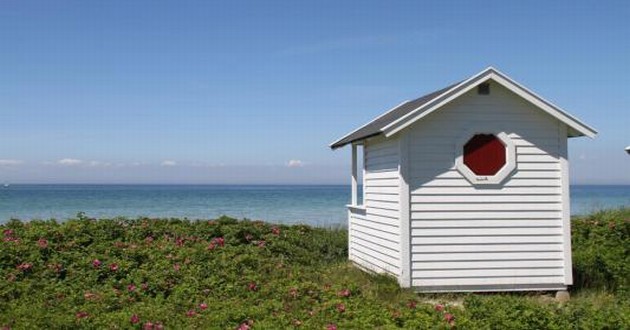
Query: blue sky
253,92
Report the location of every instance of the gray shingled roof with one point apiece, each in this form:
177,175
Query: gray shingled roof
374,127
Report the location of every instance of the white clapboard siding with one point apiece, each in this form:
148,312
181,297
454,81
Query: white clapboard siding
384,205
372,237
486,215
464,273
464,191
417,232
382,182
381,190
381,175
379,251
466,256
485,223
486,264
374,264
378,225
477,248
508,234
377,211
382,197
488,198
513,182
375,236
374,232
372,248
454,174
481,239
489,281
444,207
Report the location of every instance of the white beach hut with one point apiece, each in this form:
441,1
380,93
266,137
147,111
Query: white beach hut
466,189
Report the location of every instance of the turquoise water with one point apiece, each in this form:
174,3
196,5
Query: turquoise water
315,205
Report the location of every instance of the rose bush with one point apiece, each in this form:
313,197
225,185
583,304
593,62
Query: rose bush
229,274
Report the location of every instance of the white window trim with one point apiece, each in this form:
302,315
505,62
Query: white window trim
502,174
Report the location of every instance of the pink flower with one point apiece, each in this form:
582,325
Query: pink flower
96,263
158,326
341,308
220,241
252,286
113,267
249,237
8,236
261,244
331,326
191,313
42,243
412,304
212,246
82,315
148,326
134,319
344,293
25,266
144,286
203,306
176,267
439,307
293,292
131,287
179,241
243,326
448,317
149,239
275,230
56,267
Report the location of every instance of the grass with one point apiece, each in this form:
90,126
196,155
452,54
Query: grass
229,274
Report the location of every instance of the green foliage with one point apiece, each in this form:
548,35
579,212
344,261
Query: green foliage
219,274
601,251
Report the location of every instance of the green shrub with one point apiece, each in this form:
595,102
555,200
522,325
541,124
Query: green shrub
222,274
601,251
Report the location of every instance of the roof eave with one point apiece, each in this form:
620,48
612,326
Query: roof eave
340,143
487,74
335,145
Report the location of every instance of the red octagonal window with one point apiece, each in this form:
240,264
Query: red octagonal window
484,154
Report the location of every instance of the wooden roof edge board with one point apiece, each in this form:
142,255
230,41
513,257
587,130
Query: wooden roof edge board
334,145
441,97
490,74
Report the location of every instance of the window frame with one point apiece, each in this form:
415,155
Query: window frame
502,174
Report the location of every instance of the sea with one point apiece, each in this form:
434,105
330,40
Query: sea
318,205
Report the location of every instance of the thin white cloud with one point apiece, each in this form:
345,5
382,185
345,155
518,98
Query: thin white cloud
69,162
169,163
364,41
94,163
295,163
10,162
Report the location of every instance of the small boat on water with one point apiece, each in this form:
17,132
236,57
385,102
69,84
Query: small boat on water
628,149
6,185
